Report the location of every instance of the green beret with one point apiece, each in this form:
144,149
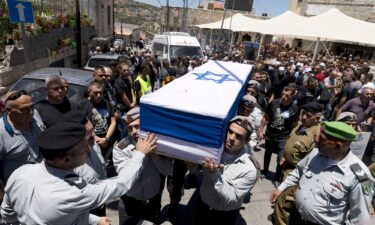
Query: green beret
339,130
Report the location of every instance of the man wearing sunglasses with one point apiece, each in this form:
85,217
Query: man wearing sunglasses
56,104
19,127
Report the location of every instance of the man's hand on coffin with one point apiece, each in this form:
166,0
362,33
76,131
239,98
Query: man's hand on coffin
211,166
146,144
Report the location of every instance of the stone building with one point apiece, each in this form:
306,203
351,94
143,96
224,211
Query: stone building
360,9
99,11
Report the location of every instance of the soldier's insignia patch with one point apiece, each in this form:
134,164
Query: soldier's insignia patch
75,180
367,187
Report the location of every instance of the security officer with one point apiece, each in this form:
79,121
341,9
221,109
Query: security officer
334,186
51,193
19,128
300,143
143,200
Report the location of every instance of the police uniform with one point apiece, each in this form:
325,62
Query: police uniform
300,143
18,147
331,191
41,194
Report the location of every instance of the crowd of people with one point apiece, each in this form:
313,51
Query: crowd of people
57,155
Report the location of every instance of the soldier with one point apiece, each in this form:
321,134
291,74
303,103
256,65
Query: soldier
143,200
225,184
300,143
334,186
51,193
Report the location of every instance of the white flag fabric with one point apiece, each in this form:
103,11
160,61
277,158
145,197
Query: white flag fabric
190,115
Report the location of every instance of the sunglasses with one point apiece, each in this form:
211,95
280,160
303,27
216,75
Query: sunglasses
15,95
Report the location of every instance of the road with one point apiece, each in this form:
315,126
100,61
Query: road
256,212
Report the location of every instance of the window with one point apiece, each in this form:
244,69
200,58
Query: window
109,15
210,6
158,49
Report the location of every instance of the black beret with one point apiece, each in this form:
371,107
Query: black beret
74,116
313,107
62,135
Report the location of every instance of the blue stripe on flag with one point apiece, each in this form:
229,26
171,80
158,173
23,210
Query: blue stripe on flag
202,130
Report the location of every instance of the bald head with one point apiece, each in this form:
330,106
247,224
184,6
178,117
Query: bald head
20,110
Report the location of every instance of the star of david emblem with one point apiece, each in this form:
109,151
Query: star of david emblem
217,78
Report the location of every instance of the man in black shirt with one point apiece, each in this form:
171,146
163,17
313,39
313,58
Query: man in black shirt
56,104
281,116
101,115
309,92
124,96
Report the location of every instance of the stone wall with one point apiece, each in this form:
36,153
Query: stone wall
359,9
194,17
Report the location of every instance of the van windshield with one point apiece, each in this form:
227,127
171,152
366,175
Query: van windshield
177,51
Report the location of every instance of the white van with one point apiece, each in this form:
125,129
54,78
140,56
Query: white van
175,44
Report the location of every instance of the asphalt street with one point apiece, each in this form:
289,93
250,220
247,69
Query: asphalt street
257,212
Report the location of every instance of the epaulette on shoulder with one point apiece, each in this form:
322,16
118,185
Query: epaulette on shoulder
123,144
75,180
362,177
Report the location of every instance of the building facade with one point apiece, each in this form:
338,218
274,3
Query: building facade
100,12
359,9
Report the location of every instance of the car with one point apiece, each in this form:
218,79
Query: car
33,83
103,60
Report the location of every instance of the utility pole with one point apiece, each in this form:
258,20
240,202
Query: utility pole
167,16
78,35
183,22
222,24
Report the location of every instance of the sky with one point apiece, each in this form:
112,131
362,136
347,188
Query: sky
272,7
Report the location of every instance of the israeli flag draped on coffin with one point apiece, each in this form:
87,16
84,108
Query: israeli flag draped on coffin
190,115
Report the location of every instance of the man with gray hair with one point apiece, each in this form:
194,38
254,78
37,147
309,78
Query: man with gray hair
56,104
362,106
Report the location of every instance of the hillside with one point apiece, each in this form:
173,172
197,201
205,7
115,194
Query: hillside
138,13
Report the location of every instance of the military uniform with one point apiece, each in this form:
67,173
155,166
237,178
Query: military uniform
41,194
331,191
142,201
300,142
372,170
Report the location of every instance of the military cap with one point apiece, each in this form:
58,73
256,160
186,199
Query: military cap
132,115
347,116
312,107
249,101
74,116
339,130
244,122
253,83
62,135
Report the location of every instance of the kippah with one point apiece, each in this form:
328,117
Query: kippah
61,136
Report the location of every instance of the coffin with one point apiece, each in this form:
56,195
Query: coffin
190,115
